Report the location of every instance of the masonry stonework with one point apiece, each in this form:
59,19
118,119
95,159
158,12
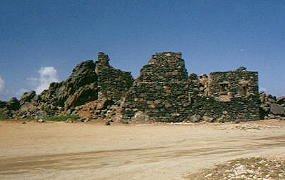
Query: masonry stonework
161,90
112,83
164,92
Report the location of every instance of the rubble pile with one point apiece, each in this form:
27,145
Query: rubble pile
271,106
101,109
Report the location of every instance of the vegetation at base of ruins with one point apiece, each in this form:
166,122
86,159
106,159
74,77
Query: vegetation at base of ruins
4,116
61,118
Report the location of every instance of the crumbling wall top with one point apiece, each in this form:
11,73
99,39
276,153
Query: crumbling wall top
238,83
241,69
168,54
103,58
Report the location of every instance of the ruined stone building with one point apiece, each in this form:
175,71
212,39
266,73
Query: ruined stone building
162,92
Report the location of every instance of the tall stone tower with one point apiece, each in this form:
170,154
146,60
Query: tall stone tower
160,92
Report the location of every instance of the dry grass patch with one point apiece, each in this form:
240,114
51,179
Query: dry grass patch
247,168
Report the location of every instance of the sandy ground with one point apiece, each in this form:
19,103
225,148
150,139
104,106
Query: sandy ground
59,150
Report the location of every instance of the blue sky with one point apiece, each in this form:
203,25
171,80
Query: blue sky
52,36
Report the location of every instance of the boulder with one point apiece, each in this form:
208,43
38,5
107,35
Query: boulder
3,104
195,118
13,104
109,122
82,96
27,97
104,103
208,119
276,109
69,120
40,121
280,100
265,108
140,117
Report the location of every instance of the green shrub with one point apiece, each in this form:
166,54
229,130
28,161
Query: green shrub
61,118
4,116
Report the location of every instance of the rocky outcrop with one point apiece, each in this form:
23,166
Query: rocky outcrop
7,109
79,88
89,81
27,97
13,104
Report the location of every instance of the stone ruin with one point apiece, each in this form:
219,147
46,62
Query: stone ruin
163,92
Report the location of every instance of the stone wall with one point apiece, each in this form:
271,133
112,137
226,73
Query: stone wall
112,83
239,83
160,91
164,93
238,109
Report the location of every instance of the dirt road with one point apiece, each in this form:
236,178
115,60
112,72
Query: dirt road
58,150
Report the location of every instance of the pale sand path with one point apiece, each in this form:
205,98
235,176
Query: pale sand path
94,151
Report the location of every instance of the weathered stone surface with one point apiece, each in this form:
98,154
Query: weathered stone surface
276,109
208,119
280,100
271,106
13,104
76,90
239,83
76,87
161,90
140,117
165,93
195,118
27,97
82,95
265,108
112,83
8,109
4,111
